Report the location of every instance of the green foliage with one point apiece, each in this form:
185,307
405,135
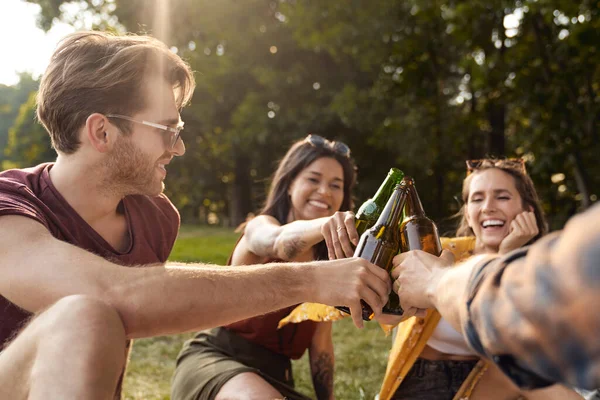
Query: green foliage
28,142
417,84
11,99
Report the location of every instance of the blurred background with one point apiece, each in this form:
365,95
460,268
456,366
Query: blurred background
421,85
418,84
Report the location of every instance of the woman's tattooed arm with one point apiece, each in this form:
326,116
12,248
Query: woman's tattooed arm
322,361
266,238
294,246
322,376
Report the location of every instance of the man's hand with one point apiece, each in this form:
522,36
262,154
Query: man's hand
522,229
340,235
345,282
416,274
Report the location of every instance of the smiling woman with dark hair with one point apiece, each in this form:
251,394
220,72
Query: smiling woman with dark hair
307,209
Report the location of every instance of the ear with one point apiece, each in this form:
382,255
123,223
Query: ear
100,133
467,218
531,208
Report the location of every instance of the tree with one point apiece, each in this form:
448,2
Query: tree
28,142
418,84
11,98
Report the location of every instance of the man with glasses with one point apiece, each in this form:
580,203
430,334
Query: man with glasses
171,133
69,230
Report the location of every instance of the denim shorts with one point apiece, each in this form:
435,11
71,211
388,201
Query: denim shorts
434,380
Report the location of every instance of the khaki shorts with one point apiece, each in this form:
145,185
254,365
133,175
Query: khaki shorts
215,356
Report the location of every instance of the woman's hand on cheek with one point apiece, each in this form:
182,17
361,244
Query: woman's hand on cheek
522,229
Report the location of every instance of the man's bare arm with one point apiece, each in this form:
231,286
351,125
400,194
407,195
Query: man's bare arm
38,269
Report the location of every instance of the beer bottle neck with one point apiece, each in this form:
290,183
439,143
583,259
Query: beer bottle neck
390,216
383,193
413,206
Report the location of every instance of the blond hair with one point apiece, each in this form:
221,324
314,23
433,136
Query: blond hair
97,72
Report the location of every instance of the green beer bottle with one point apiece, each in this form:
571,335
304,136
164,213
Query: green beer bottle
370,210
381,243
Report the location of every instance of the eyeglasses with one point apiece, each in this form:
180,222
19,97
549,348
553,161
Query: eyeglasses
517,164
175,132
337,147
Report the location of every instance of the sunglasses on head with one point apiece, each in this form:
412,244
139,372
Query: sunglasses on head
337,147
517,164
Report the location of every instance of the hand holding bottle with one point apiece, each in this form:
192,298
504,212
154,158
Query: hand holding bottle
416,274
350,282
340,235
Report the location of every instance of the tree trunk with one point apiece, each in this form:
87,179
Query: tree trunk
241,193
496,107
581,178
474,142
496,117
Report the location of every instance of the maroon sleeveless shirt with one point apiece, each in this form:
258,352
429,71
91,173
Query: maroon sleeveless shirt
153,223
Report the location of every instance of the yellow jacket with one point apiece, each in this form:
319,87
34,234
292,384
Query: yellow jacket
413,334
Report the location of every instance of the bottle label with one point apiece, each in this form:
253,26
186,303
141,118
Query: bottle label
368,210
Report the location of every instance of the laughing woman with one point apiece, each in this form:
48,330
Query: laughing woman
306,206
430,359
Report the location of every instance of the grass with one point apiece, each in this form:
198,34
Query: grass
360,354
210,245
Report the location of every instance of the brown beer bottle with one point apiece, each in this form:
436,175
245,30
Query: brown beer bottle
381,243
417,231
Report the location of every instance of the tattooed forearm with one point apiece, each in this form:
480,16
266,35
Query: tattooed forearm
293,246
322,375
